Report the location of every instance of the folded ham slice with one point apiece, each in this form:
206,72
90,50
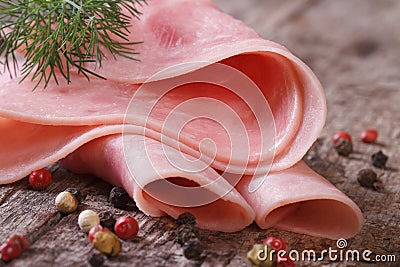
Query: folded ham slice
298,199
286,199
103,157
206,76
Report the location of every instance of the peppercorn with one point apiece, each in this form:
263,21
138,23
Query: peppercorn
119,198
340,135
13,247
107,242
94,230
66,202
107,220
10,250
276,243
344,147
367,178
2,263
186,218
77,194
192,249
260,255
21,240
126,227
186,232
379,159
369,135
40,179
87,219
96,258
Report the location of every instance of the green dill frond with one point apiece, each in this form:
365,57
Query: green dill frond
59,36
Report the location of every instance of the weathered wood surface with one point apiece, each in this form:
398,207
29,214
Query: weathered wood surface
353,46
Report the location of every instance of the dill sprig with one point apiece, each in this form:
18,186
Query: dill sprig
61,36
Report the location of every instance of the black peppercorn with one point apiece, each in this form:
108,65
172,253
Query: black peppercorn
344,147
192,249
186,218
379,159
186,232
107,220
76,193
2,263
367,178
119,198
96,258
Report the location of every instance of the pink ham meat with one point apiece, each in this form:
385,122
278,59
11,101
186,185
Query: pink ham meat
286,200
300,200
26,147
66,117
102,157
293,92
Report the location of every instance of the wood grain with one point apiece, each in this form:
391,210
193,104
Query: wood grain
353,46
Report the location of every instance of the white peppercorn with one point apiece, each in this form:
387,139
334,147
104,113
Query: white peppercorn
87,219
66,202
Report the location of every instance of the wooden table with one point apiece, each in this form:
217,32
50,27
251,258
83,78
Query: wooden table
354,48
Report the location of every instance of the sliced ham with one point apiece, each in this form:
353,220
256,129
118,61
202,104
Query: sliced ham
293,92
299,200
286,199
288,123
26,147
214,202
214,92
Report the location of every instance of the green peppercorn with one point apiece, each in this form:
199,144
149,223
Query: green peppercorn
186,218
260,255
186,232
379,159
192,249
344,147
119,198
96,259
107,242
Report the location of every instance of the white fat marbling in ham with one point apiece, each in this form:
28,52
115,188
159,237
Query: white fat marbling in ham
77,119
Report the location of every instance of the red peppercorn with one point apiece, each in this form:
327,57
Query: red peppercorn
40,179
21,240
285,261
94,230
341,135
276,243
10,250
126,227
369,135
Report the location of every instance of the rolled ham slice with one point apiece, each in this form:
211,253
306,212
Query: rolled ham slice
162,184
286,200
300,200
208,90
